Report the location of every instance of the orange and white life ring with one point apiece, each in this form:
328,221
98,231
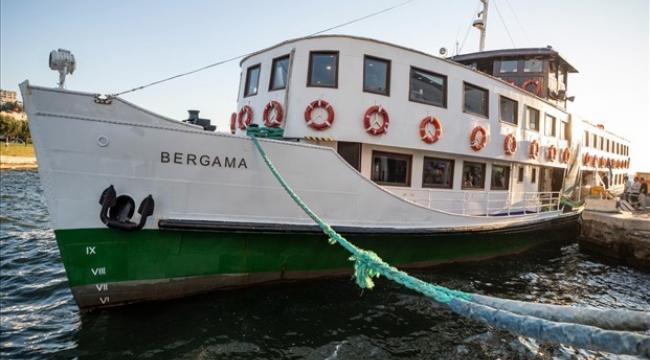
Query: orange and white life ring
603,162
595,161
245,117
315,105
269,120
510,144
538,86
586,159
428,136
233,122
370,125
551,153
566,154
480,133
533,149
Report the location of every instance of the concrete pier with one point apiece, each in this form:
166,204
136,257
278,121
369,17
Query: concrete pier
615,234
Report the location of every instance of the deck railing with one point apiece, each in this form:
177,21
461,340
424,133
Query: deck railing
488,203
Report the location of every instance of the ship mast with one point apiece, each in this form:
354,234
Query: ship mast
481,23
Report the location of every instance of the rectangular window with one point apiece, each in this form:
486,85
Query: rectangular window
438,173
376,75
508,66
508,110
323,69
520,174
427,87
500,177
533,66
587,139
473,175
252,80
391,169
532,118
475,100
279,73
549,125
533,176
563,132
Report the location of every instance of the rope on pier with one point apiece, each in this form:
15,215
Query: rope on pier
592,329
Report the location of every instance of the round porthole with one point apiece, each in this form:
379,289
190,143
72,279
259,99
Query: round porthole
102,141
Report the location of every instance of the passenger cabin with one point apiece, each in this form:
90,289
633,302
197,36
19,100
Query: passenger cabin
540,71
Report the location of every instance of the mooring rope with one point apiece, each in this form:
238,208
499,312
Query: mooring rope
591,329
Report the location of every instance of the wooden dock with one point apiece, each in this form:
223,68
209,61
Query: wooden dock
613,233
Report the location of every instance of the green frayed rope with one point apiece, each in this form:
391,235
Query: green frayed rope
367,264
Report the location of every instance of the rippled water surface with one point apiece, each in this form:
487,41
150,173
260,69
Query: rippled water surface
323,319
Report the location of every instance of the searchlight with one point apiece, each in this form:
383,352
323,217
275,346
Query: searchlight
62,61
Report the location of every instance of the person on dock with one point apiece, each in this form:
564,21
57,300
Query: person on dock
626,190
634,192
643,193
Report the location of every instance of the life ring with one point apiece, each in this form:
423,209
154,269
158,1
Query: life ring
319,104
233,122
538,87
566,154
510,144
380,111
603,162
586,159
245,117
594,161
426,136
551,153
478,144
533,149
272,122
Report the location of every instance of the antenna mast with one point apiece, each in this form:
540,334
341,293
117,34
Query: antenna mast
481,23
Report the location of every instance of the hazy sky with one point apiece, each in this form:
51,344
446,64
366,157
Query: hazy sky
122,44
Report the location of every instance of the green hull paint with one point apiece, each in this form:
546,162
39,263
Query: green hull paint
99,256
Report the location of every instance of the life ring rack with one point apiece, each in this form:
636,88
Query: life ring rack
279,113
428,137
475,144
566,154
380,111
533,149
245,117
319,104
538,86
551,153
510,144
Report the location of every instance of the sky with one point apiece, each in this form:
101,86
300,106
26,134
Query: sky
123,44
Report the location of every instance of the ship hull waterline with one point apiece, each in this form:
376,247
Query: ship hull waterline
118,268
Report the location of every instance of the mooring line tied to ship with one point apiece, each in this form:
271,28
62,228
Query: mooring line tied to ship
613,331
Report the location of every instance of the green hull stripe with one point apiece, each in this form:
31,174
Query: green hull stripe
93,256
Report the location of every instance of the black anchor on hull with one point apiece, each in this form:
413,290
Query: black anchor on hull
117,211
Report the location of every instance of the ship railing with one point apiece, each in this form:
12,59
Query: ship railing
488,203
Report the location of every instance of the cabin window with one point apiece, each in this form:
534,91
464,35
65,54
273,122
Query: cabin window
473,175
533,176
323,69
500,177
586,139
508,110
279,74
475,100
508,66
532,118
520,174
391,169
376,75
563,130
549,125
437,173
533,66
427,87
252,80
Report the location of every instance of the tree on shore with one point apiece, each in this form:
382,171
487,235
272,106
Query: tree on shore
11,128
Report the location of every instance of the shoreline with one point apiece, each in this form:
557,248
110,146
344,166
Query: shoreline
17,162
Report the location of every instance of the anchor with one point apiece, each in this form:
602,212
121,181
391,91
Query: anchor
117,211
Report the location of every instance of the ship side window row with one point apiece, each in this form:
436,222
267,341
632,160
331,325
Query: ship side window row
392,169
600,143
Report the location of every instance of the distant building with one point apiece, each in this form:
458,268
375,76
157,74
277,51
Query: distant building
7,96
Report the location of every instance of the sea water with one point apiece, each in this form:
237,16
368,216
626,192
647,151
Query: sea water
319,319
